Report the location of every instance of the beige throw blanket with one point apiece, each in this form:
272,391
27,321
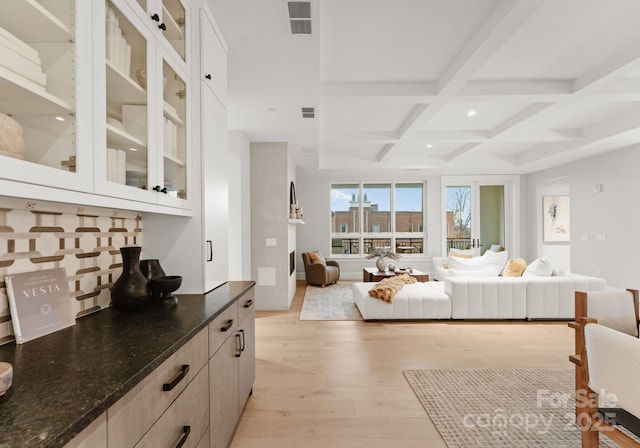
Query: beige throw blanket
388,287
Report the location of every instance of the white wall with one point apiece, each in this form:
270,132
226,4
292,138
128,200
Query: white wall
239,207
313,191
614,212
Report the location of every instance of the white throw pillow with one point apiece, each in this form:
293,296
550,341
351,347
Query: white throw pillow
540,267
467,263
497,260
484,272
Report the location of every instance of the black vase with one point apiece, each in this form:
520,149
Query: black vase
151,269
129,292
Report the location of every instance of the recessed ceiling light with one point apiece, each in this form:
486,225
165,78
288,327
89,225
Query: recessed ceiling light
133,149
429,145
59,118
471,113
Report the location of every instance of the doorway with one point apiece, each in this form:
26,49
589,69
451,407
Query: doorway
477,213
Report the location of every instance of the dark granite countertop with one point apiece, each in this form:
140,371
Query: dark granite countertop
65,380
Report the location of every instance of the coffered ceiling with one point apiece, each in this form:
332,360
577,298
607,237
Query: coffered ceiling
447,86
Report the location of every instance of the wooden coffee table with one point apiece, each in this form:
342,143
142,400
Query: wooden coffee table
373,275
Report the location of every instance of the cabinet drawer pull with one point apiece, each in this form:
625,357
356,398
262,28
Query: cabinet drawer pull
208,76
228,324
155,17
248,303
186,430
238,345
163,27
242,341
183,372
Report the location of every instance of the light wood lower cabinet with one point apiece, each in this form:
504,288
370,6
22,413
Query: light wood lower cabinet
205,400
132,416
231,374
93,436
185,420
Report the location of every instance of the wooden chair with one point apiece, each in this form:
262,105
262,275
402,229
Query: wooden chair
605,322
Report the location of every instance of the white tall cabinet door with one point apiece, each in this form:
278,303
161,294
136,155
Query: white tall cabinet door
213,59
215,159
215,167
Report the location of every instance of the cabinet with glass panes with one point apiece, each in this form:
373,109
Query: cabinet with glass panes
45,93
145,137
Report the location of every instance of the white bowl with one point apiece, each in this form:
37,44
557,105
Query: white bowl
6,377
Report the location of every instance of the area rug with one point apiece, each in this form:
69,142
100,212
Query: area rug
333,302
501,407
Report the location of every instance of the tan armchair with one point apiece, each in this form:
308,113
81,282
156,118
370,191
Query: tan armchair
319,271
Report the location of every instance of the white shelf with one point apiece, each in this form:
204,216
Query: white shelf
172,114
173,160
117,138
32,22
122,88
21,96
296,221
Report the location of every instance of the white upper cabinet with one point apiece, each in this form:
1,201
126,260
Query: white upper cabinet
142,123
170,20
213,59
45,62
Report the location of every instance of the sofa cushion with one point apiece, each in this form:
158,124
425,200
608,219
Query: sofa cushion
515,267
414,301
458,263
540,267
497,260
459,253
484,272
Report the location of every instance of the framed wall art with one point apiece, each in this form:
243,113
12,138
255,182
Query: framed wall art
555,219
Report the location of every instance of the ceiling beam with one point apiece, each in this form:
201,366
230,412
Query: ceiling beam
503,22
598,134
453,136
497,29
505,126
609,71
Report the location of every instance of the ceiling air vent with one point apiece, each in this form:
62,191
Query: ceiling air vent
308,112
300,17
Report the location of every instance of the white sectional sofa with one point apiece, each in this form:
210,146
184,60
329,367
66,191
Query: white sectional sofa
487,297
529,297
414,301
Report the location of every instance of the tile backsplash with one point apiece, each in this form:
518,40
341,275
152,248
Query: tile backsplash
86,241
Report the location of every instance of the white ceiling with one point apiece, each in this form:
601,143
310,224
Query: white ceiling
551,81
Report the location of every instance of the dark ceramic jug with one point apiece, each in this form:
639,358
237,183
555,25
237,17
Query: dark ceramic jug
151,269
129,292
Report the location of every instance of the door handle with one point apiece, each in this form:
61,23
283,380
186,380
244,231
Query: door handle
210,245
242,341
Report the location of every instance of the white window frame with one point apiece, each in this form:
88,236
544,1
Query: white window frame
392,235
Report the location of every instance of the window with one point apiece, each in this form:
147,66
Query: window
387,213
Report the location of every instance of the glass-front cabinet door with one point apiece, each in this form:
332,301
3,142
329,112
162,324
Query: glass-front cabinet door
170,19
45,92
174,132
141,131
127,117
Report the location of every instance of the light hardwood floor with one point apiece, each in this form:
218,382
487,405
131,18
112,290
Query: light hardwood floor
339,384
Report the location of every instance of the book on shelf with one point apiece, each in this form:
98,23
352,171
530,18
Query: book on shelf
40,303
